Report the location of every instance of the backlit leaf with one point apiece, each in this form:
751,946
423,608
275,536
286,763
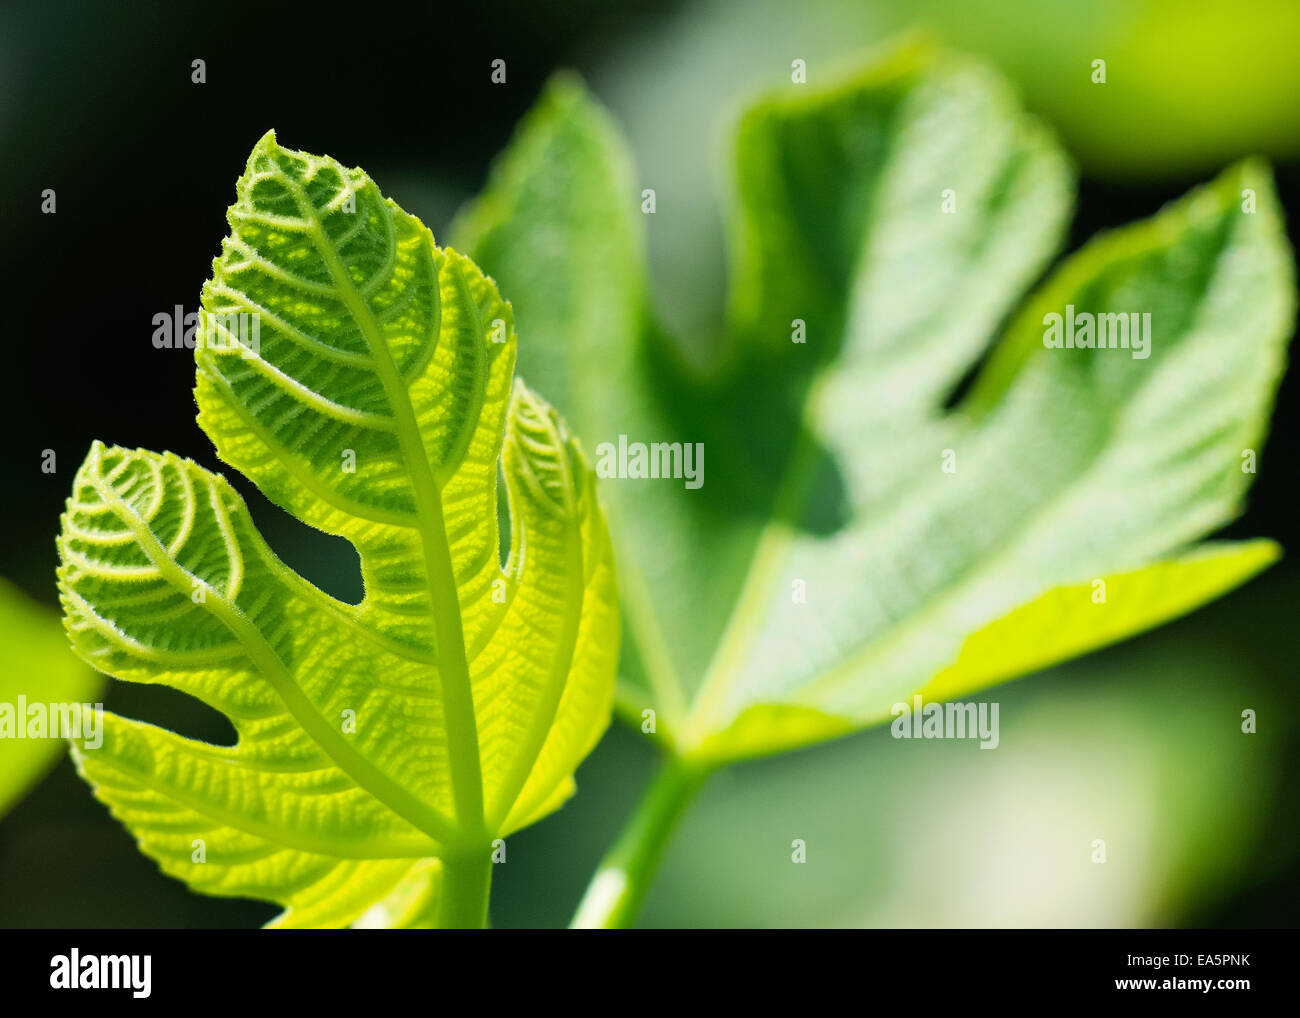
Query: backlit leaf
375,401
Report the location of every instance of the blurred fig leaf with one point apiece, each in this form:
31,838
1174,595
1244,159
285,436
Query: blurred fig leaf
854,531
382,747
1065,622
36,665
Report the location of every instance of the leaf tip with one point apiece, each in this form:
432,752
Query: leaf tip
565,89
267,142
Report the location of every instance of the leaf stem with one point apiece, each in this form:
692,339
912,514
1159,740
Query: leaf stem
614,896
463,891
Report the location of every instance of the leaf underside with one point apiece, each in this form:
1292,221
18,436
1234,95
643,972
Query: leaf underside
827,457
376,403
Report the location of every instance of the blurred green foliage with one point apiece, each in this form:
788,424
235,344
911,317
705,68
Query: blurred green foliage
36,663
1190,85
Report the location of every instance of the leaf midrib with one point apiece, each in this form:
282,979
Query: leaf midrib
453,672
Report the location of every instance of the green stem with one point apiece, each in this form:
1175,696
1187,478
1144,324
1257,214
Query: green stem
463,892
616,892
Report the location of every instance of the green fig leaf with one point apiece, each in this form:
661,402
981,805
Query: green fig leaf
362,377
858,539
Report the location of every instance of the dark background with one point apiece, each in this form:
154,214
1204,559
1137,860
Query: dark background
96,102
